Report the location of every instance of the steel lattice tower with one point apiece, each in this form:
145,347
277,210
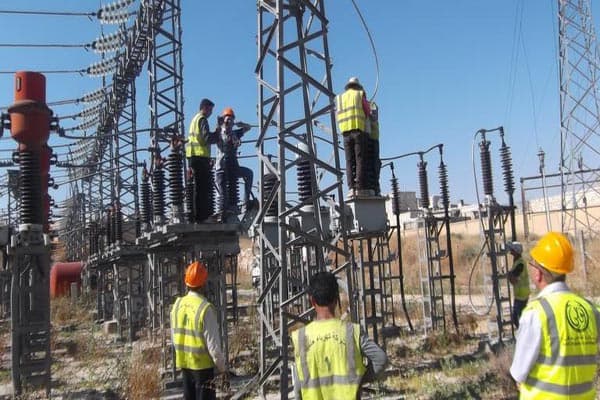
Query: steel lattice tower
295,89
579,115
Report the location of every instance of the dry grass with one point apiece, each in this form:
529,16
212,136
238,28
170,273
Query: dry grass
142,377
63,311
243,345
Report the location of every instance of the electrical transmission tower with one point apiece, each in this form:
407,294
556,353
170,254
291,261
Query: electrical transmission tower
579,116
295,89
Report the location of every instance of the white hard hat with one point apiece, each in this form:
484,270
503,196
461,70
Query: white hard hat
515,246
353,82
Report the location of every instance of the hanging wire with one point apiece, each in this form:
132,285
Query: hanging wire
56,13
58,71
45,45
372,48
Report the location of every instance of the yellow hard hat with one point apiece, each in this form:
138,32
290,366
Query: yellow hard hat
554,252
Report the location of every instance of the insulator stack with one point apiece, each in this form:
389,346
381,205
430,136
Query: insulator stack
507,171
371,180
31,198
118,223
305,187
269,185
175,169
232,188
146,200
158,193
93,237
395,196
486,167
423,185
108,227
189,198
96,237
211,192
444,189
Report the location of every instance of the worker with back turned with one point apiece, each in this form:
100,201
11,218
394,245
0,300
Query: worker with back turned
196,337
329,353
557,341
353,110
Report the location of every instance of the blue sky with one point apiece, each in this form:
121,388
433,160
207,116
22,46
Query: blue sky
447,69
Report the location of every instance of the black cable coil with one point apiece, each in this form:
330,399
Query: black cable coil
444,189
270,181
486,168
175,169
158,193
395,196
189,200
305,188
146,200
118,223
507,171
109,226
30,188
423,185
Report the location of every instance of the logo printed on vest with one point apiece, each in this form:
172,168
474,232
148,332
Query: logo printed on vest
577,316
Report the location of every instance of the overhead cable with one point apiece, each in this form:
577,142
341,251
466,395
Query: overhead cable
372,48
55,13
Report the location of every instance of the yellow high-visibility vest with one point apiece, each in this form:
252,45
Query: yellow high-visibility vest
566,366
187,323
196,146
522,290
329,362
350,111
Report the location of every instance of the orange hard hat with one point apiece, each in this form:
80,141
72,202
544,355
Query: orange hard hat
228,112
196,275
554,252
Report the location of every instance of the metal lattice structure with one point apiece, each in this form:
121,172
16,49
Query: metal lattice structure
295,88
498,228
579,115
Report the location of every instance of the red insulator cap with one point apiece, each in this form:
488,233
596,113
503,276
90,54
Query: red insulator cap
30,86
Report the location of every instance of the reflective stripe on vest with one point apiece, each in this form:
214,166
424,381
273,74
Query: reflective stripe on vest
196,146
328,360
522,286
350,111
187,322
566,366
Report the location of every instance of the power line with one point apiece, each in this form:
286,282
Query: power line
43,45
59,71
55,13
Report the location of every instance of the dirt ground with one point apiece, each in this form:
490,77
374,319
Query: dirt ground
89,363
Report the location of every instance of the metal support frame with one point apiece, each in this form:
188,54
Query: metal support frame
438,286
496,239
294,89
168,252
165,73
579,114
375,285
29,258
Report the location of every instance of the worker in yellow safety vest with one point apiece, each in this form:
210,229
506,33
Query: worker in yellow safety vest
353,110
519,278
196,337
557,341
197,151
330,353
